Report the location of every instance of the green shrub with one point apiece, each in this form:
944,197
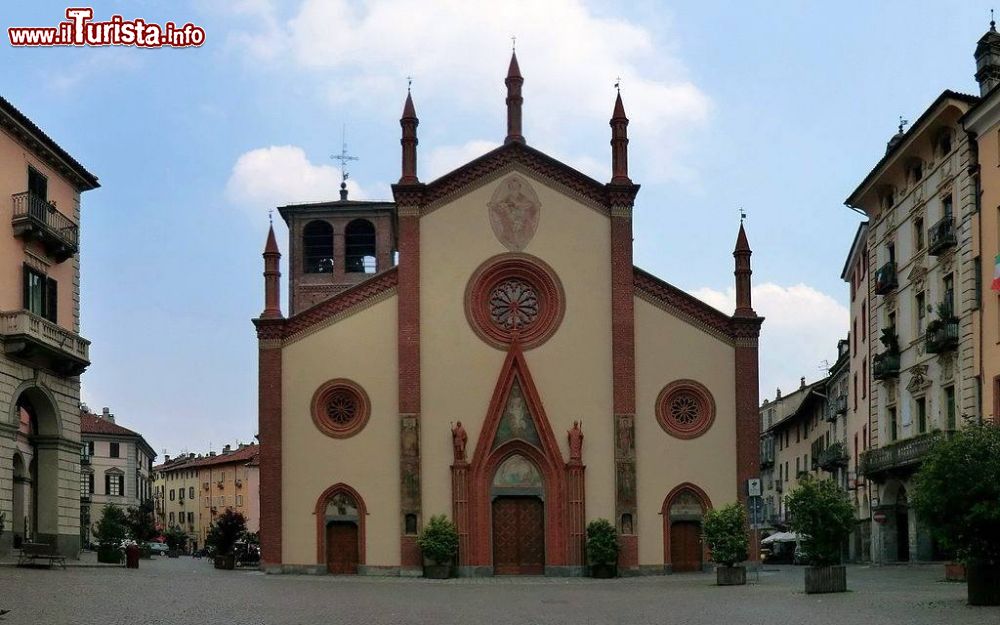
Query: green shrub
112,529
726,534
822,517
439,540
227,528
957,493
176,538
602,542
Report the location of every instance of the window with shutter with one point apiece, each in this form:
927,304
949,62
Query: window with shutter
34,291
107,484
51,300
37,183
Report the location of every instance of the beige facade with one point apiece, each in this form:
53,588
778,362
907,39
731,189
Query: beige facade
176,492
924,310
43,353
465,380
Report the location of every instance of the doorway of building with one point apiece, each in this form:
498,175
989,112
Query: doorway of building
685,546
518,536
342,554
902,526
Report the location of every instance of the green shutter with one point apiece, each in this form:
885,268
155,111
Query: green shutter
51,299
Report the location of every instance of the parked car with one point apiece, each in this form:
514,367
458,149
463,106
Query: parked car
159,549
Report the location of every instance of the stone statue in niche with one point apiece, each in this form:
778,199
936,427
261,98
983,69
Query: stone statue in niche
514,211
625,436
459,438
626,524
410,443
575,442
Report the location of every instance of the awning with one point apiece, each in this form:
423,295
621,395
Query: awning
780,537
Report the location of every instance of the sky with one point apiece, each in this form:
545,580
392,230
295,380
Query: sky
779,108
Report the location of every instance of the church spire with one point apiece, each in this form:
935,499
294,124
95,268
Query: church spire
514,101
272,277
409,124
619,143
742,255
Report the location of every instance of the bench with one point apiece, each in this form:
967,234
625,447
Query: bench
33,553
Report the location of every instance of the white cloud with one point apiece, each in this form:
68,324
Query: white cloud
282,174
800,332
458,50
445,158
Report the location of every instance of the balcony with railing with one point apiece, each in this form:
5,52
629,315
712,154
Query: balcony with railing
836,407
885,366
37,219
899,457
885,279
941,336
833,457
942,236
43,344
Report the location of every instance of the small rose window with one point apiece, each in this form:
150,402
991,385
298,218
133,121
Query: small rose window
685,409
340,408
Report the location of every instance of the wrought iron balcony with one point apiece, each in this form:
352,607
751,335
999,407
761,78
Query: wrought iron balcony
836,407
41,343
942,235
885,279
942,336
885,366
833,456
899,457
37,219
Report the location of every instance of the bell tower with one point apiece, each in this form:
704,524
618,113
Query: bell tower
988,59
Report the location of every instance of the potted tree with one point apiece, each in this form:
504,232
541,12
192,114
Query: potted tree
822,516
602,549
438,543
111,531
957,494
142,526
227,528
726,536
176,539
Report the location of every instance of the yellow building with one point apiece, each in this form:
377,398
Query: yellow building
42,353
514,372
228,481
176,491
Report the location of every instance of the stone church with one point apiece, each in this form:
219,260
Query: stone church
512,369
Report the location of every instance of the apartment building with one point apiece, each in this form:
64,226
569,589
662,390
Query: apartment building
227,482
42,353
176,490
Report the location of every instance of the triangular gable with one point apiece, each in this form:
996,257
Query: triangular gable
516,413
513,156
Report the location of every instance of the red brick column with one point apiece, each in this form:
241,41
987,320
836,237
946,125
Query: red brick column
269,428
621,197
576,519
409,367
747,415
460,510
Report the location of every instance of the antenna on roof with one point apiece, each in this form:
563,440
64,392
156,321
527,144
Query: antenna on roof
824,365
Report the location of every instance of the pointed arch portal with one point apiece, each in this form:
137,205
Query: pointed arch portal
518,504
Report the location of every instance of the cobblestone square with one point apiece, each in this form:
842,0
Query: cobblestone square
187,591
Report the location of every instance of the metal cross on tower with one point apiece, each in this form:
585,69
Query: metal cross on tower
343,157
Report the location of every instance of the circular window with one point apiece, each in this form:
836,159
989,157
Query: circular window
514,297
685,409
340,408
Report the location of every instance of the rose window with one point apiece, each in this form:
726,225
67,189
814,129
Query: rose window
685,409
513,305
340,408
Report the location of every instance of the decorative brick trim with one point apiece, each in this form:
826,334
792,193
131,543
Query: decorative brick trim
325,393
705,406
347,302
523,267
269,426
687,307
706,505
747,423
320,513
523,158
486,459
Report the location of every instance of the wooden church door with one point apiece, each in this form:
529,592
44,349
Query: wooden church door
518,536
342,548
685,546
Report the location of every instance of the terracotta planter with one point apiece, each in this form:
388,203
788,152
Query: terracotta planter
437,571
603,571
983,583
731,575
954,572
821,579
227,563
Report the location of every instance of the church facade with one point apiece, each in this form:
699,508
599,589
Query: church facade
513,370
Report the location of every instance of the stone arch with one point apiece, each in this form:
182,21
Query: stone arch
44,405
321,519
689,489
359,246
48,450
317,247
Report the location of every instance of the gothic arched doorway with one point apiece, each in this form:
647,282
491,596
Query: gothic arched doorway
518,513
340,530
683,509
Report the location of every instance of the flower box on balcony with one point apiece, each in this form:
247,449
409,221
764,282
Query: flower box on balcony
942,336
942,235
885,366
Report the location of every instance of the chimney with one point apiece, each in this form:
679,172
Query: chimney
106,414
190,455
211,454
777,395
225,449
802,382
166,458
